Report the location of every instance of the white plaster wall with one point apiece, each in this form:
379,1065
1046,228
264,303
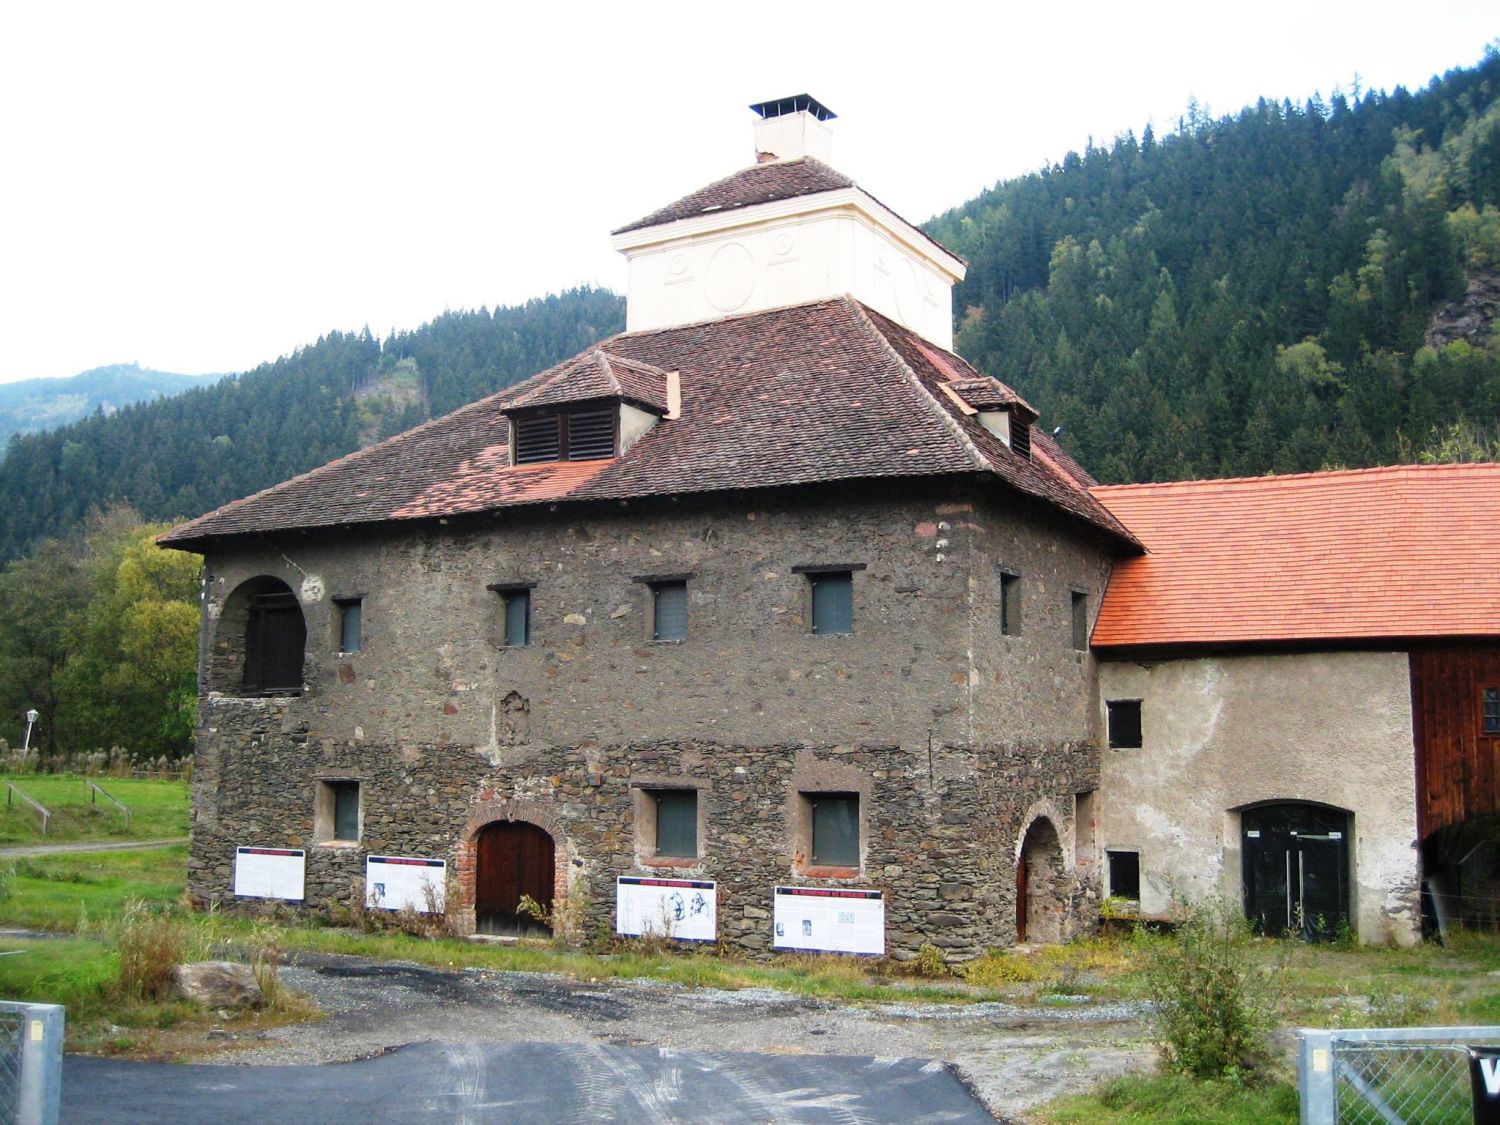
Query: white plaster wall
787,260
1220,733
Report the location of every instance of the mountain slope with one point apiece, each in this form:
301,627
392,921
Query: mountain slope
182,456
29,405
1249,294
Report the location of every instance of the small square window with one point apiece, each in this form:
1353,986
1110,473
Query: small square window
1124,724
1490,705
835,829
516,601
669,611
1125,875
676,822
832,601
1080,620
351,623
336,818
1010,603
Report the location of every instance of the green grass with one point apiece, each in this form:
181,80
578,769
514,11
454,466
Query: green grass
58,892
1175,1100
159,809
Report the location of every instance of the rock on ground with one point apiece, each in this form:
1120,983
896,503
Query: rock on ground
216,984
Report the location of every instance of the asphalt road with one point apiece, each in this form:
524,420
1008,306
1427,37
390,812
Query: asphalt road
524,1082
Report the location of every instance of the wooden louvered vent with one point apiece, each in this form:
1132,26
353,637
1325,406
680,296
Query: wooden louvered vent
573,435
1020,436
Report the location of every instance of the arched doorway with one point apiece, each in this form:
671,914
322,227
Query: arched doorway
514,860
260,640
1040,877
1296,868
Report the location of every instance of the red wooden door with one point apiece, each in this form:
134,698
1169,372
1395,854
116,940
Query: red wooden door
1022,891
515,859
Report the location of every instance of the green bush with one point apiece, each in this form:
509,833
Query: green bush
1214,1005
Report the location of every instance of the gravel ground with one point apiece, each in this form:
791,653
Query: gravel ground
1012,1057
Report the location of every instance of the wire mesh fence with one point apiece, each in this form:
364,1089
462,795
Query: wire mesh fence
1389,1076
12,1024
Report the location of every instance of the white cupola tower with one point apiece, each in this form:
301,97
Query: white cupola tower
787,230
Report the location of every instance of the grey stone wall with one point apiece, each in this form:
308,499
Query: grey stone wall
952,749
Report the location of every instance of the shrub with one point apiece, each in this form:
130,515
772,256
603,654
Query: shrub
929,962
1213,1004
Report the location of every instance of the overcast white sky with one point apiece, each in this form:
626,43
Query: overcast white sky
202,186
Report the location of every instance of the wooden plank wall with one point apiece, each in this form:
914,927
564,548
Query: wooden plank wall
1458,766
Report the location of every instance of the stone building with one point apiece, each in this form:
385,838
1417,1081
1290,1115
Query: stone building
772,602
770,620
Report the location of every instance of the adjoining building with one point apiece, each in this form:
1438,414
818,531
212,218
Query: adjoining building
1301,689
771,611
769,621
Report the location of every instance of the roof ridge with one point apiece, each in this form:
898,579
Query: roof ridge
975,454
1399,470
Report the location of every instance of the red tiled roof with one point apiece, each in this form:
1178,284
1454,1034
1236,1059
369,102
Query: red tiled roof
598,374
759,183
829,391
1400,552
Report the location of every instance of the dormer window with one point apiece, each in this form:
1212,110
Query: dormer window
1020,436
584,433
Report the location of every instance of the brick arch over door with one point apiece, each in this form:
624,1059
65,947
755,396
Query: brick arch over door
489,811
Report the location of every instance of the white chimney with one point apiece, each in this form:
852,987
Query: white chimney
790,128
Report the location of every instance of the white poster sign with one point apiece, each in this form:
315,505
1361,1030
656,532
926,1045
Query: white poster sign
269,873
686,909
396,882
829,920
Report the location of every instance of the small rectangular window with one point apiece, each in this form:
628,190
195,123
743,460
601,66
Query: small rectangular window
1125,875
835,829
676,823
517,617
1124,724
1080,620
832,601
1010,603
336,818
1491,709
351,623
669,611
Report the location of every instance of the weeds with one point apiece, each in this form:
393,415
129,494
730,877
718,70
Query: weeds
151,943
1214,1003
265,963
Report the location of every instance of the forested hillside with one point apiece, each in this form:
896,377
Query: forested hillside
1249,294
28,405
182,456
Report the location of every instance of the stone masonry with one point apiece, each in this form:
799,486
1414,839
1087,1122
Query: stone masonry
956,739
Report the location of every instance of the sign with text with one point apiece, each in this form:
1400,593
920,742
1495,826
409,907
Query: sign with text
1484,1079
399,882
686,909
829,920
269,873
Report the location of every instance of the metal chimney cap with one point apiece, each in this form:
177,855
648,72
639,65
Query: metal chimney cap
798,103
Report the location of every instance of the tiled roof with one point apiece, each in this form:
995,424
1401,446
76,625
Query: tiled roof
989,393
1401,552
598,374
759,183
829,391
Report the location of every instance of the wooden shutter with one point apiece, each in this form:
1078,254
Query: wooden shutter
591,433
835,834
670,619
677,823
275,636
832,602
538,438
1020,436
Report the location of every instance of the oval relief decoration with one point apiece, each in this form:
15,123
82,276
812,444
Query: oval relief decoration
730,277
907,290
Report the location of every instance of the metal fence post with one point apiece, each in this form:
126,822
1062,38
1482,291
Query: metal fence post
1315,1077
38,1052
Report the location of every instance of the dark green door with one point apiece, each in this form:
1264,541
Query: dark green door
1296,865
